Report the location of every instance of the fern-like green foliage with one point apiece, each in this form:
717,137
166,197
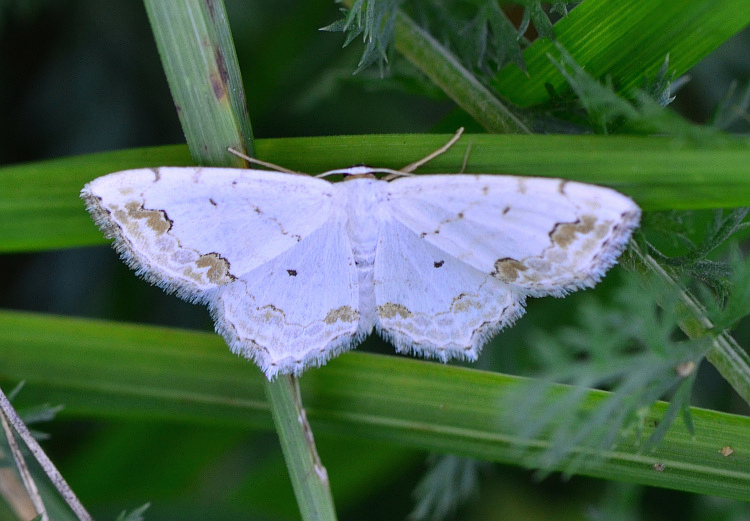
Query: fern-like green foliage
694,262
726,313
35,414
732,108
449,482
630,346
134,515
375,20
478,32
642,112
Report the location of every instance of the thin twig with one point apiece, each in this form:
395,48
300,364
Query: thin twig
49,468
23,469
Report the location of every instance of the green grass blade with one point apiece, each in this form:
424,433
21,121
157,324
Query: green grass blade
628,40
200,62
144,371
40,209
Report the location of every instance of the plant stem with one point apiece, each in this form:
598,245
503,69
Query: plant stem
308,475
7,410
439,64
31,503
732,362
199,59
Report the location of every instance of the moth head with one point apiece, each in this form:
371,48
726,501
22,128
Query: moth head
363,171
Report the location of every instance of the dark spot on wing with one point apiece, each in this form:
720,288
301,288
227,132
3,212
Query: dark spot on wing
217,268
439,264
292,273
563,234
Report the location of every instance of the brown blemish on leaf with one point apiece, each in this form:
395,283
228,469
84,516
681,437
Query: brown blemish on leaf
563,234
685,369
221,64
217,84
390,310
344,313
726,451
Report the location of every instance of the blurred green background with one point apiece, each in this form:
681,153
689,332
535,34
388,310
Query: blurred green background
79,77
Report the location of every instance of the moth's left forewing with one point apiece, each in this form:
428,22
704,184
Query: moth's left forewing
544,236
191,230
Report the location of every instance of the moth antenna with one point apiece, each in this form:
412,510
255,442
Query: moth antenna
396,175
413,166
466,158
272,166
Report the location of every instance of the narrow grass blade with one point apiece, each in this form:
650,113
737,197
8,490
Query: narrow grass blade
200,62
40,208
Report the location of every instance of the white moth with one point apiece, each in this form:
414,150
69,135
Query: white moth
296,270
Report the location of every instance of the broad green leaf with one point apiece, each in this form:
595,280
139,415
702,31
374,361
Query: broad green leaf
109,370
